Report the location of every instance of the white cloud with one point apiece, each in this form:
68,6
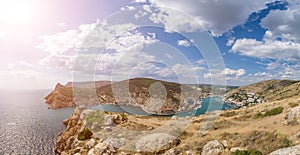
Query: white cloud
284,23
272,49
230,41
95,35
140,1
230,74
217,16
184,43
130,8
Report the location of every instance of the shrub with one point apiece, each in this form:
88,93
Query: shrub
95,117
247,152
84,134
274,111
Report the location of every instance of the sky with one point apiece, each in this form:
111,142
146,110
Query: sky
231,42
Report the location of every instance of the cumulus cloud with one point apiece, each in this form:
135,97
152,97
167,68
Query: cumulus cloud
184,43
216,16
271,49
230,74
284,23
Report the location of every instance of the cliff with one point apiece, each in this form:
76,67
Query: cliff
154,96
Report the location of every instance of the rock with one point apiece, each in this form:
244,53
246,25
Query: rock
225,143
233,149
212,148
100,148
108,120
108,129
157,141
115,142
294,150
91,152
297,135
90,143
85,113
96,127
172,151
189,152
294,115
174,118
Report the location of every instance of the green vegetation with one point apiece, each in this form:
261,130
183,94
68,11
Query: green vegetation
95,117
274,111
84,134
247,152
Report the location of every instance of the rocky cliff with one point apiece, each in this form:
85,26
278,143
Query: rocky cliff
154,96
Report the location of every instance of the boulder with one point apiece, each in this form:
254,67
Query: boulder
294,150
157,141
233,149
294,115
115,142
212,148
90,143
108,120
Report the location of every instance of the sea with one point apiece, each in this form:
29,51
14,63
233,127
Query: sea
28,127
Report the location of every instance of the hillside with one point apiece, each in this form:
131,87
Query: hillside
270,90
154,96
260,129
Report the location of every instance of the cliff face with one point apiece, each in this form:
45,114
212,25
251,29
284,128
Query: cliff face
154,96
60,97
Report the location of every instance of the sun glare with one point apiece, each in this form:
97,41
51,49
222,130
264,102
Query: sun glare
15,12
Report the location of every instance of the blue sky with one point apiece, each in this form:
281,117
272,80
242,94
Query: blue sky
196,41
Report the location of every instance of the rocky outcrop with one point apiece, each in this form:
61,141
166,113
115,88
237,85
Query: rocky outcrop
81,139
294,150
156,142
60,97
293,116
213,148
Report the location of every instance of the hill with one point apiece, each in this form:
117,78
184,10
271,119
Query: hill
269,90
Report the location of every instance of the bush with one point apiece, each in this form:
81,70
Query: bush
84,134
247,152
274,111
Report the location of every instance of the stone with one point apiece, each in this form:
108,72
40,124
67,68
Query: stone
115,142
100,148
90,143
91,152
108,129
189,152
157,141
294,150
212,148
225,143
108,120
233,149
172,151
294,115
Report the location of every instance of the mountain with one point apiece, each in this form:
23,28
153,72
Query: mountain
154,96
